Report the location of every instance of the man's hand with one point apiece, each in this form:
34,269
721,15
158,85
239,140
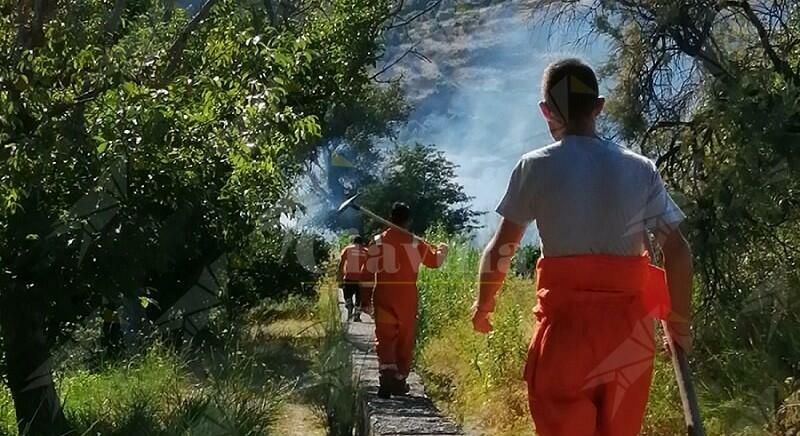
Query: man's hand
442,248
680,332
492,271
678,264
480,320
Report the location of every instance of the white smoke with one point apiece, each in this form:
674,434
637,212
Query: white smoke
477,98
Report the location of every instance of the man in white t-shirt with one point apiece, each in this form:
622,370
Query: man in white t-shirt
595,204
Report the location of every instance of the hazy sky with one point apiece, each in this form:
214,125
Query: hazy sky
480,99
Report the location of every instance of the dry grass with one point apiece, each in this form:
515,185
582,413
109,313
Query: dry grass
478,379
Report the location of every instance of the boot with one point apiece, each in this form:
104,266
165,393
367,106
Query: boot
387,380
401,387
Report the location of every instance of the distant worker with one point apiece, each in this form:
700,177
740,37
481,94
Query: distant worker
394,260
595,204
351,276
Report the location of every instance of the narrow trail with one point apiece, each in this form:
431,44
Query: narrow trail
299,419
287,347
409,414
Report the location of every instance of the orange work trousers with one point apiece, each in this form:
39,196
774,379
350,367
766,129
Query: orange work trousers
395,326
590,362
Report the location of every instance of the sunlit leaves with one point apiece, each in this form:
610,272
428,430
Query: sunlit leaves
205,151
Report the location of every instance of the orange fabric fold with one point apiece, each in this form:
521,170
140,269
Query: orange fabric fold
600,279
590,361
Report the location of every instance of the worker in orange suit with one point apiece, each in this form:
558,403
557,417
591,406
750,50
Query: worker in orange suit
350,275
598,207
394,258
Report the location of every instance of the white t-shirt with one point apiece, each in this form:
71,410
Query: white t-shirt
589,196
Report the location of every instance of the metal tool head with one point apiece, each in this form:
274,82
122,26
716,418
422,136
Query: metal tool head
350,202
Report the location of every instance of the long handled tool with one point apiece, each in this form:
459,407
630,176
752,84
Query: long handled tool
683,376
351,203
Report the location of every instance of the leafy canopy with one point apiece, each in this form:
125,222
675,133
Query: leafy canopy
422,177
139,143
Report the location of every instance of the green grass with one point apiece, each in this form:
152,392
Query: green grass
157,394
335,388
119,397
478,379
293,307
227,390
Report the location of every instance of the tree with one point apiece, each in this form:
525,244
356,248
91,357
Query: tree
422,177
139,146
347,155
275,265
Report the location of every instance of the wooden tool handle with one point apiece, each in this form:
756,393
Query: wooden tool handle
683,375
383,220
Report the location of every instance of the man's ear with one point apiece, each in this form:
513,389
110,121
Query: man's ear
599,106
545,110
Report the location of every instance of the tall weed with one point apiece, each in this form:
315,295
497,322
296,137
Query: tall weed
744,390
335,388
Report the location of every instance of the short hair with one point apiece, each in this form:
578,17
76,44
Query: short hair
570,89
401,213
357,239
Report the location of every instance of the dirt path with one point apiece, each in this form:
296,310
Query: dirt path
288,347
300,419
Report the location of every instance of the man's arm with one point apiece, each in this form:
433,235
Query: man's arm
678,265
340,268
367,288
433,257
494,265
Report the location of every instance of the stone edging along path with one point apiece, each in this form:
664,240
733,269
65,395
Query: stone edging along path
414,414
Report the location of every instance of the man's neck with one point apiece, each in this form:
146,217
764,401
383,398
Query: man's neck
590,132
587,128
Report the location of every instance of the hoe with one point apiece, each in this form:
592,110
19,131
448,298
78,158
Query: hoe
351,203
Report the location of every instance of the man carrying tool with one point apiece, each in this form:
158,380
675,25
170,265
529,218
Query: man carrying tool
350,275
595,203
393,260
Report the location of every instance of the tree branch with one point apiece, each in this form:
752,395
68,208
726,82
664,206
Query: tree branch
273,17
173,55
112,24
169,8
407,21
395,11
31,16
781,65
387,67
175,52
